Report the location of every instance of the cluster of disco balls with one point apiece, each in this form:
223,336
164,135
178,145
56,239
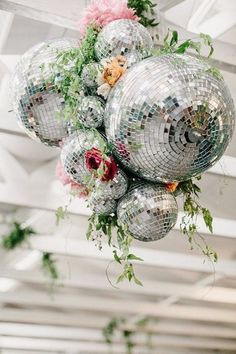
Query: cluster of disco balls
167,119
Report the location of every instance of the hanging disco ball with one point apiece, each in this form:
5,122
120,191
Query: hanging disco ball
91,111
102,206
90,73
169,118
36,101
148,211
114,189
73,154
121,37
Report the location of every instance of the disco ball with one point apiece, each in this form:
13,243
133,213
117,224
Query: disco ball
114,189
148,211
90,73
73,154
35,98
91,111
102,206
169,118
121,37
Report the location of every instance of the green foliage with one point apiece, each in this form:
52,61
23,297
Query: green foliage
67,69
105,224
49,266
19,235
193,209
16,237
144,9
171,44
120,325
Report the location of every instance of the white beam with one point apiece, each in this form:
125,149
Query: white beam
73,320
181,290
78,333
151,257
60,345
35,12
6,20
107,305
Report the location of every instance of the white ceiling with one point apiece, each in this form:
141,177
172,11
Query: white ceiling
194,308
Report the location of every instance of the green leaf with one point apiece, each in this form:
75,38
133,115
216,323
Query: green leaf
133,257
120,278
116,257
17,236
174,39
208,42
49,266
138,282
208,219
61,214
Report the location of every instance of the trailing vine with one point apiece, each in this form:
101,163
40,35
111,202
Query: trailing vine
18,236
126,329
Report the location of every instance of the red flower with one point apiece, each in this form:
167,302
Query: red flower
94,158
111,170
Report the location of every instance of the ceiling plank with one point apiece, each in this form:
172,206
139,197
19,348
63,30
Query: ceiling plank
106,305
34,13
53,345
150,257
76,333
151,288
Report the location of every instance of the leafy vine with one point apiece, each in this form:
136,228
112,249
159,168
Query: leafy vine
18,236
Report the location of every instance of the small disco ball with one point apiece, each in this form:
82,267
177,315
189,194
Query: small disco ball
73,154
91,111
36,101
169,118
121,37
90,73
148,211
114,189
102,206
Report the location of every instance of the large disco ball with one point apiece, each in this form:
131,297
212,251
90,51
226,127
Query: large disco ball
169,118
73,154
36,101
148,212
122,37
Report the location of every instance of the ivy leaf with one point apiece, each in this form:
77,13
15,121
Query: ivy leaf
207,219
61,214
174,39
116,257
137,281
208,42
120,278
133,257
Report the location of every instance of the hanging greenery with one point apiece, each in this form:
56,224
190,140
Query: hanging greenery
19,235
121,327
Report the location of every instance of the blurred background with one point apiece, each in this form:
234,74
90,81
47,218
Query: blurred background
192,302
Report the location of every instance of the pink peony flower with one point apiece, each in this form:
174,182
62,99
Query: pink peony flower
102,12
77,188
